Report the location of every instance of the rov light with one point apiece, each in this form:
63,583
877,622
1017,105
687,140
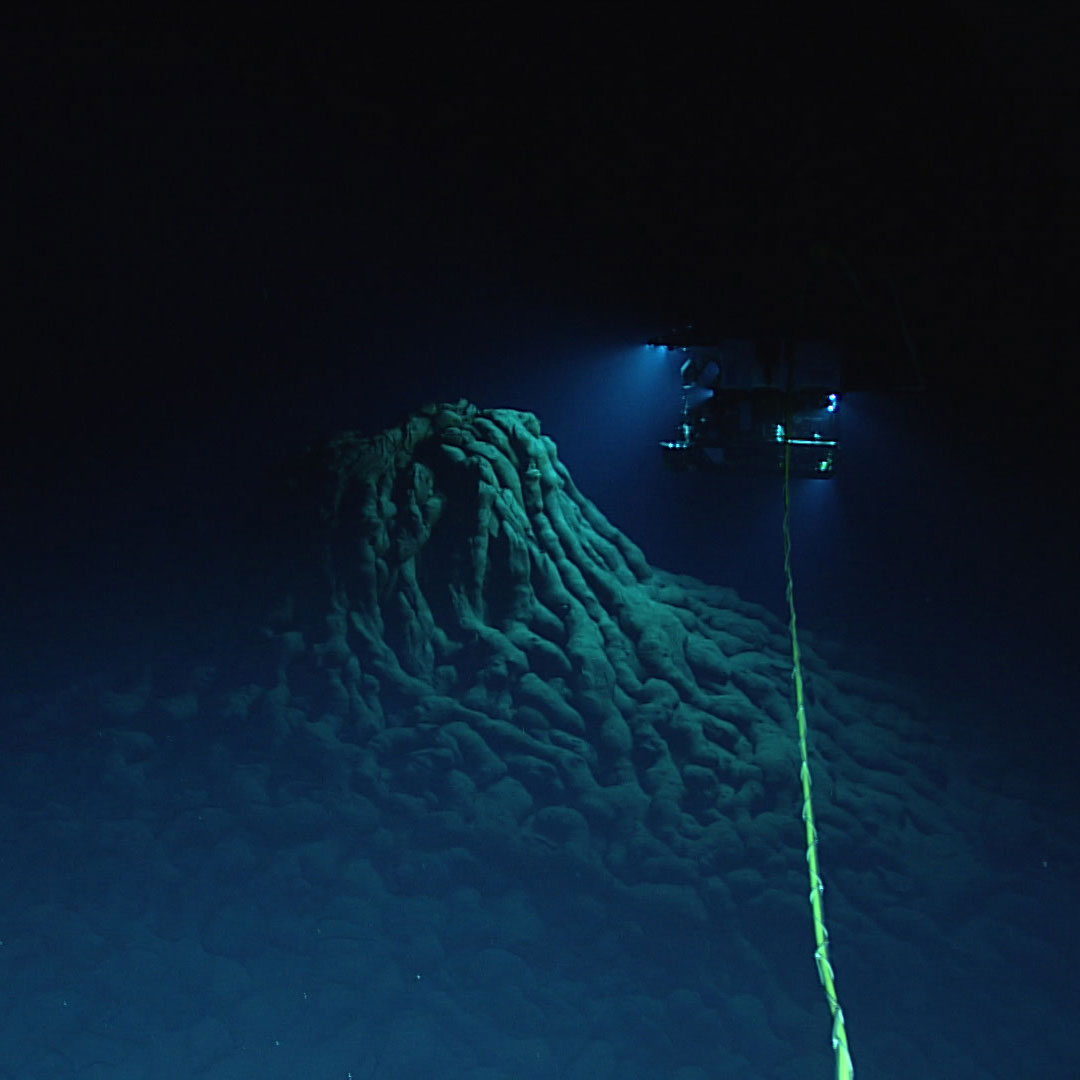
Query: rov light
831,407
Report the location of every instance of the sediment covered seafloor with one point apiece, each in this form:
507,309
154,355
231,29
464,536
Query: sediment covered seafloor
486,795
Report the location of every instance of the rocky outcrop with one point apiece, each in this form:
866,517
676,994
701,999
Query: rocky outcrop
492,651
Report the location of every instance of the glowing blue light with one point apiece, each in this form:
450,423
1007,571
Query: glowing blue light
831,407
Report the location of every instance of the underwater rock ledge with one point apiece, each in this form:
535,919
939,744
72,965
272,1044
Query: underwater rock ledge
493,651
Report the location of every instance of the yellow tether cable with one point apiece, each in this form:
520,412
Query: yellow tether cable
845,1070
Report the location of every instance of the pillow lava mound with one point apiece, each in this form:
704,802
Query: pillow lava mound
499,664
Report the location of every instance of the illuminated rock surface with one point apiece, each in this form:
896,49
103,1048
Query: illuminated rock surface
501,654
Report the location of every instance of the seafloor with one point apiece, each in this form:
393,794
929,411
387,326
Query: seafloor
484,795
